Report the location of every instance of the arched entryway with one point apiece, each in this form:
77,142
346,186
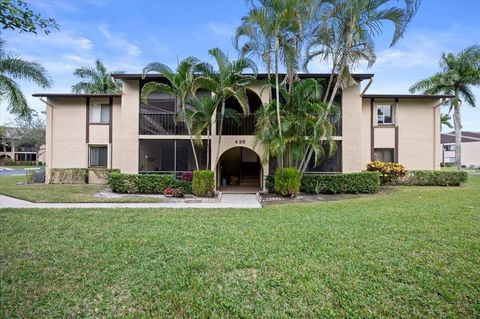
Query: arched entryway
239,170
243,123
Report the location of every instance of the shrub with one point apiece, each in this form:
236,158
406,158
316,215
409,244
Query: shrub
353,183
435,178
155,183
123,183
146,183
203,183
186,176
389,172
287,181
270,183
68,175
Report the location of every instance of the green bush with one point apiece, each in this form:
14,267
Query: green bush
203,183
287,181
390,173
354,183
270,183
155,184
146,183
435,178
123,183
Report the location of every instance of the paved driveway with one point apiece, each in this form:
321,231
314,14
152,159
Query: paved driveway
6,171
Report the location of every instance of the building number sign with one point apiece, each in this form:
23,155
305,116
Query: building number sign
239,141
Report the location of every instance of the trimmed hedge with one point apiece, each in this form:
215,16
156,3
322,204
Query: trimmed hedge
287,181
435,178
203,183
145,183
352,183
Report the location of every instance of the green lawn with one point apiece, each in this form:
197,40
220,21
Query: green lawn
414,252
56,193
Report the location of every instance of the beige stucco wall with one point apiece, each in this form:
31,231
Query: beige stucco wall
66,133
128,145
384,137
352,130
471,153
366,130
419,133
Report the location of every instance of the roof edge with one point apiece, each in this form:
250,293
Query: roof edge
408,96
138,76
75,95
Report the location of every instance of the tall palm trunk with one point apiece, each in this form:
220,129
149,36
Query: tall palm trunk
277,96
222,115
189,131
458,134
208,148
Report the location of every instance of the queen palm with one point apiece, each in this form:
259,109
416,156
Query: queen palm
460,72
12,68
181,84
96,80
227,81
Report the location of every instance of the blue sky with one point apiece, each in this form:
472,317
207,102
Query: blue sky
127,35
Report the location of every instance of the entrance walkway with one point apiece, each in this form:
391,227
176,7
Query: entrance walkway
227,201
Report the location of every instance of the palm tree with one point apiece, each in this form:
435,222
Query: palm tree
460,72
13,67
227,81
274,31
96,80
308,125
200,119
345,34
182,84
445,119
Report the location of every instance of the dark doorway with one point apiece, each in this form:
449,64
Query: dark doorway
239,169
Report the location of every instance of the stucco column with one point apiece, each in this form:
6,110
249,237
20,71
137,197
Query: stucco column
352,130
130,110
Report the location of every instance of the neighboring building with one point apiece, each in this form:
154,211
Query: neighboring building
119,131
470,148
18,153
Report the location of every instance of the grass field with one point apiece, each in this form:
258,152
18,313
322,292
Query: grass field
56,193
414,252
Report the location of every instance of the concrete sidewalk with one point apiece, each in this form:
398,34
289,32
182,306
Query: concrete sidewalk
227,201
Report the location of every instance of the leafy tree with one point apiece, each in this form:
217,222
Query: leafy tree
13,67
31,132
182,84
460,72
16,15
227,81
96,80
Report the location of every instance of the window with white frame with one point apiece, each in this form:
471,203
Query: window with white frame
385,114
98,156
100,113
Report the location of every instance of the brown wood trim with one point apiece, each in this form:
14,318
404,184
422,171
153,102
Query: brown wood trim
395,151
110,101
87,119
372,131
110,124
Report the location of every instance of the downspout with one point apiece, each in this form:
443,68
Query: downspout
49,127
370,81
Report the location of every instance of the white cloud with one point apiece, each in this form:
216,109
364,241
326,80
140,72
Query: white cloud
220,30
118,40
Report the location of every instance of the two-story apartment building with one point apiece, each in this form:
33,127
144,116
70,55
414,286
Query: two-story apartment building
119,131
